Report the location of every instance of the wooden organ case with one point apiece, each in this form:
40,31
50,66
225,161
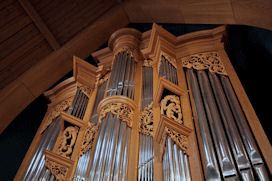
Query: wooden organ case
157,107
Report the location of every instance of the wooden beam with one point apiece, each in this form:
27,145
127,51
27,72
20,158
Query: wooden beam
40,77
32,13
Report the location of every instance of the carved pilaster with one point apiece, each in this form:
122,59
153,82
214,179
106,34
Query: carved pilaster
202,61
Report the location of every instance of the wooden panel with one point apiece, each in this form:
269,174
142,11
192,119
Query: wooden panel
28,58
44,74
66,19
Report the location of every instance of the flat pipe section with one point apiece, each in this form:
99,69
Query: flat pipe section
122,81
79,104
110,155
175,163
209,162
36,169
246,135
234,138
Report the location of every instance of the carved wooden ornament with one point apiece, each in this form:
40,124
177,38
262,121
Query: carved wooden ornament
146,122
181,140
201,61
170,106
89,138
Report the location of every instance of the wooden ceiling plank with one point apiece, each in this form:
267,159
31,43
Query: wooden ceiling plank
49,70
40,24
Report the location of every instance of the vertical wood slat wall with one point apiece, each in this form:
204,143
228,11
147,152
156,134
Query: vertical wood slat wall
151,52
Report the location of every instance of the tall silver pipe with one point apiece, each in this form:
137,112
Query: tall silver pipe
217,130
177,165
230,126
244,129
210,162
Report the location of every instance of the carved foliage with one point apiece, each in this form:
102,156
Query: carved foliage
170,106
58,170
202,61
89,137
123,112
146,124
67,141
181,140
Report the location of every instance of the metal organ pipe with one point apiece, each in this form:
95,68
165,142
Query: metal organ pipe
168,71
175,163
237,154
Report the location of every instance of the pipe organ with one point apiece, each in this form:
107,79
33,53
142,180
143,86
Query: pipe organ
157,107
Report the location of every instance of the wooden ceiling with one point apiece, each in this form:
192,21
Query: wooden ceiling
39,37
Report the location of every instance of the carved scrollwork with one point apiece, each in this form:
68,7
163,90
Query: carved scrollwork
89,137
58,170
181,140
146,124
67,141
170,106
202,61
121,110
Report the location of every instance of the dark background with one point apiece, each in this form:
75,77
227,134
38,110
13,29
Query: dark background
249,49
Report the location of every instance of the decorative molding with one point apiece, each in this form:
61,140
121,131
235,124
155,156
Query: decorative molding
171,107
181,140
89,137
146,122
67,141
202,61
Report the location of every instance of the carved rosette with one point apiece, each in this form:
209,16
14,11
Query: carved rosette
170,106
58,170
123,112
210,61
180,140
67,141
146,122
89,137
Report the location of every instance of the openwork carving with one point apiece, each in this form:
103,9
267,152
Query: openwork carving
58,170
89,137
170,106
181,140
67,141
146,124
202,61
123,111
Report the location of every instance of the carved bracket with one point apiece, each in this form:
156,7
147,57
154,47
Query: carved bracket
120,106
88,138
210,61
146,122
